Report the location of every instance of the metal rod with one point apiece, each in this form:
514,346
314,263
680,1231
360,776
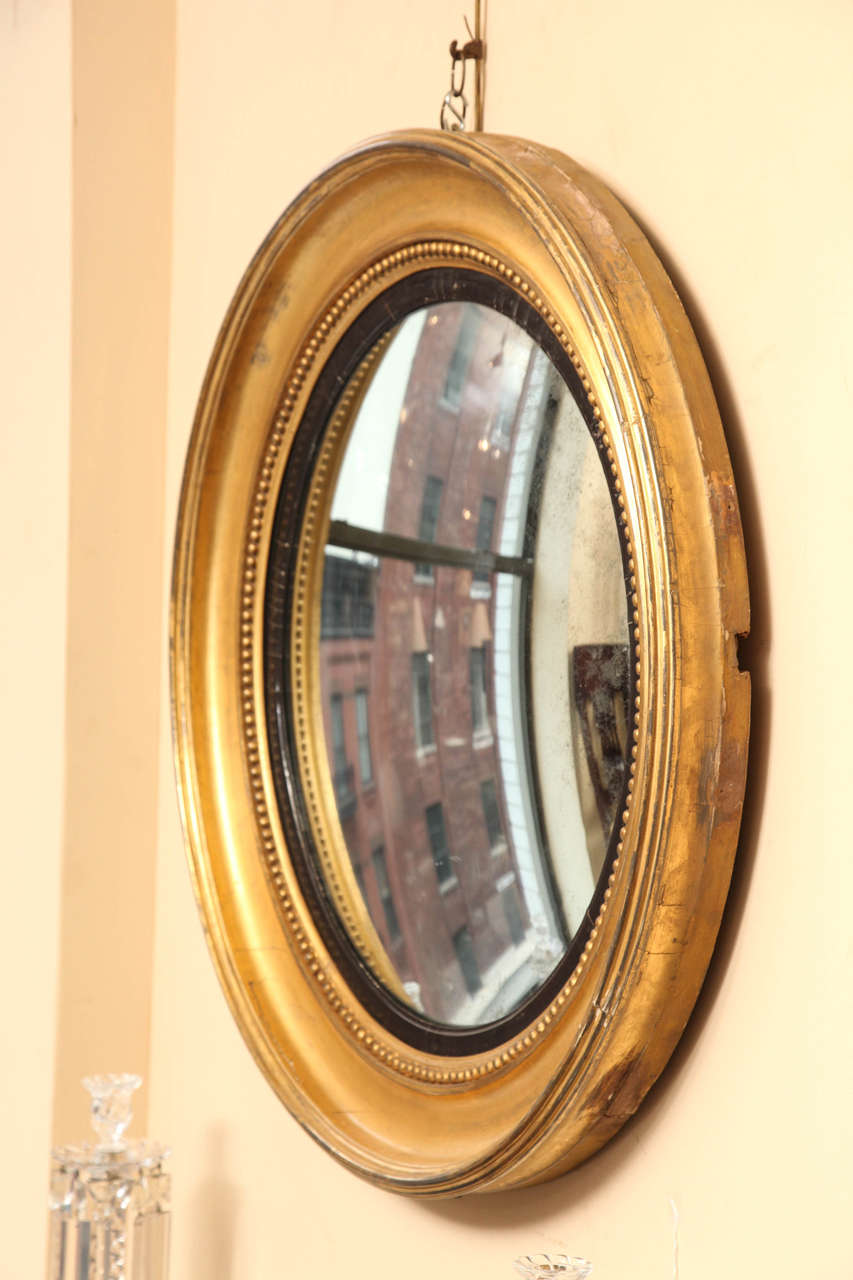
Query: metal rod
479,69
354,538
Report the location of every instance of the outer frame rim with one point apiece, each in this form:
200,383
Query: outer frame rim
561,1127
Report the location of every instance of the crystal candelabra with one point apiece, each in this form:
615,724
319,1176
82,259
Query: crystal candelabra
109,1200
552,1266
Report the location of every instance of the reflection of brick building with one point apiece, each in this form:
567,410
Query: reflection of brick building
408,682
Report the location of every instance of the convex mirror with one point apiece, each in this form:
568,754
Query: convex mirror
460,729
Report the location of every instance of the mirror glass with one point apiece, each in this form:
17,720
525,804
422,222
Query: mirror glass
473,659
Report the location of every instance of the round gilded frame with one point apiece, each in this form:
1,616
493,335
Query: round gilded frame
425,1120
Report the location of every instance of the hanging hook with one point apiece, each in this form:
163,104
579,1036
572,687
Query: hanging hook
454,107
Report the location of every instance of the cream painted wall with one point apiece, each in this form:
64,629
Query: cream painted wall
725,130
35,371
86,99
724,127
123,91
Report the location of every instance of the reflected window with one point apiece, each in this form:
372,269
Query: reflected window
386,897
492,815
428,523
365,760
485,529
430,504
347,603
422,701
512,912
501,432
480,727
437,833
343,772
460,358
464,948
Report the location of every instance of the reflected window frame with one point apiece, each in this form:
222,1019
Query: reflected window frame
442,858
347,605
343,776
466,958
422,712
362,728
460,359
504,417
492,816
509,899
386,895
481,579
481,728
433,492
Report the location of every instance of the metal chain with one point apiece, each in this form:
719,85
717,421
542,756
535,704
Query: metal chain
454,106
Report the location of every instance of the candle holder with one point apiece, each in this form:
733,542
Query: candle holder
552,1266
110,1200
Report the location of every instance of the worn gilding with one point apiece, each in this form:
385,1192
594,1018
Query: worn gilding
551,1095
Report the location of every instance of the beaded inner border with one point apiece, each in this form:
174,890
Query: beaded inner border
308,540
404,1061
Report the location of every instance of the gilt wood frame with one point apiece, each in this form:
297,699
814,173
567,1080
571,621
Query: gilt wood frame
553,1093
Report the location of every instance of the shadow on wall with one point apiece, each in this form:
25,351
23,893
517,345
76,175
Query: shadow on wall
527,1209
213,1212
753,657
